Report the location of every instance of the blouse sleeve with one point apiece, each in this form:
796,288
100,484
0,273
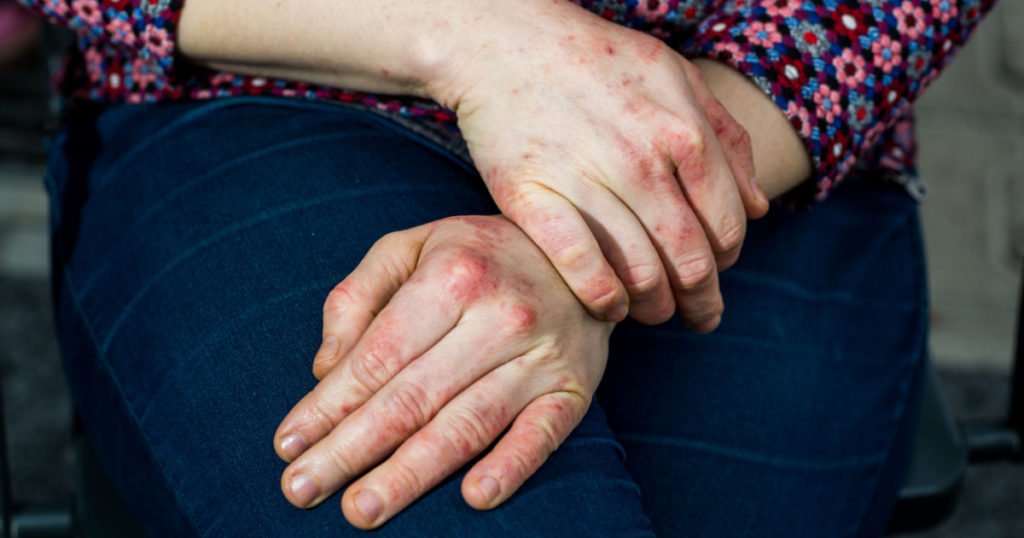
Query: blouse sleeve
143,31
842,71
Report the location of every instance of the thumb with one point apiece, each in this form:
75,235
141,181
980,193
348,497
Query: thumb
356,301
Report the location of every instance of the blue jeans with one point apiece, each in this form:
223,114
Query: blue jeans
194,243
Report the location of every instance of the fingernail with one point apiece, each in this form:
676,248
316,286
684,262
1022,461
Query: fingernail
304,490
293,445
489,488
758,191
369,504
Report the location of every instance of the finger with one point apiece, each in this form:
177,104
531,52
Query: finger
353,304
557,228
461,431
709,186
630,252
679,237
394,413
736,144
415,320
537,432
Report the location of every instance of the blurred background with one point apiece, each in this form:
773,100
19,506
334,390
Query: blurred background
971,134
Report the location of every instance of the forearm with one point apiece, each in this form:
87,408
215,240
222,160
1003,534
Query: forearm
780,159
388,46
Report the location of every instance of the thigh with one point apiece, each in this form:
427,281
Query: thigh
194,245
785,421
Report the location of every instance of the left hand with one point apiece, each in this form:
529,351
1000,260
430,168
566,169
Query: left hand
442,337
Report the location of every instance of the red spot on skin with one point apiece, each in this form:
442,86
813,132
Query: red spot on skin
641,78
650,50
689,156
346,408
626,81
599,287
610,50
522,318
469,277
631,107
385,73
570,37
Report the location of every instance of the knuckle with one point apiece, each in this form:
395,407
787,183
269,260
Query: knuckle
466,274
387,241
321,415
731,234
695,270
706,312
546,434
339,458
405,479
516,197
691,155
644,280
339,295
572,255
468,433
603,295
406,409
520,318
373,369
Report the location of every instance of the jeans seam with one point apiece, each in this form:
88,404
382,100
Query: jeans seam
212,239
908,380
748,456
102,359
269,150
236,321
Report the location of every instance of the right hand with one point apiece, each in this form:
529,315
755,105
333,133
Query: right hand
607,148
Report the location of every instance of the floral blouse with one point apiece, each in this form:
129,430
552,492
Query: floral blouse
844,72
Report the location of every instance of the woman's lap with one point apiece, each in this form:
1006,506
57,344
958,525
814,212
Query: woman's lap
193,251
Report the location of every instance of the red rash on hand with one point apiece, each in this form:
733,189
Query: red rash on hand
690,156
522,318
469,277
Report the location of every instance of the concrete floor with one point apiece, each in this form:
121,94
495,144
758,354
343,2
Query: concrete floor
972,154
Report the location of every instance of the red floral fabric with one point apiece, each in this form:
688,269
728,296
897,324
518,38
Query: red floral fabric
844,72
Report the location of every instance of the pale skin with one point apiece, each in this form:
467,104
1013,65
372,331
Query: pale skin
624,171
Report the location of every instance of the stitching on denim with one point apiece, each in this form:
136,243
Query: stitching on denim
826,296
263,152
902,409
758,341
210,106
102,359
235,322
747,456
227,232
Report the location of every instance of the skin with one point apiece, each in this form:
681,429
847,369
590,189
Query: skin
606,147
465,330
407,274
627,166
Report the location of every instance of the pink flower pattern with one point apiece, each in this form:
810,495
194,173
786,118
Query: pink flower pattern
843,74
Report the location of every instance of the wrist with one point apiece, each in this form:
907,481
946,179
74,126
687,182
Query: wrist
780,159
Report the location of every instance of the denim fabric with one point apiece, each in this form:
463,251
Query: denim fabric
194,243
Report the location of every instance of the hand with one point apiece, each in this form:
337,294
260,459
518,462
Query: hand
442,336
607,148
